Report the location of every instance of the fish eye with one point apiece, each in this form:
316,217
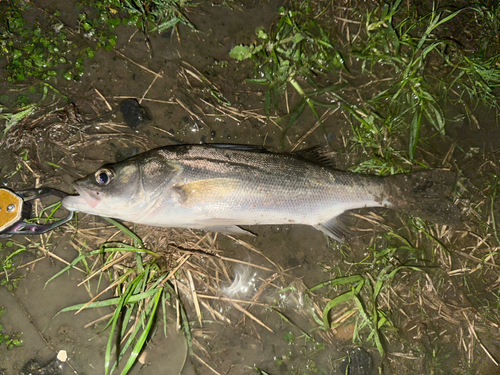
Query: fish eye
104,176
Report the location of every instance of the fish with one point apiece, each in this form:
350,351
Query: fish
224,187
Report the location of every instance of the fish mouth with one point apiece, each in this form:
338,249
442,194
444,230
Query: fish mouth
82,201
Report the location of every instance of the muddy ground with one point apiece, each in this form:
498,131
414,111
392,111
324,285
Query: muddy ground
431,314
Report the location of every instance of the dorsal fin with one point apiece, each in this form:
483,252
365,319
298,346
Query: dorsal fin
250,148
322,155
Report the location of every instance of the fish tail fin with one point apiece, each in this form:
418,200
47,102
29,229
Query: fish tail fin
426,194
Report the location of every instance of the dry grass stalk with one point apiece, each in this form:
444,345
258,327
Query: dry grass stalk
474,334
137,64
52,255
327,114
104,100
251,316
195,297
145,99
118,281
118,260
206,364
151,85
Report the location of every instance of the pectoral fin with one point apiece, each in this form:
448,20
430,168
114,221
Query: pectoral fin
203,191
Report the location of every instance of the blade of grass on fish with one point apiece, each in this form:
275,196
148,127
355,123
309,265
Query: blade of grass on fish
144,335
128,232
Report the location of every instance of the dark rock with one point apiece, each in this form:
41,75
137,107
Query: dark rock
34,368
133,113
357,362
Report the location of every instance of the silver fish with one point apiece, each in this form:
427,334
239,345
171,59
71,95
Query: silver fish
220,187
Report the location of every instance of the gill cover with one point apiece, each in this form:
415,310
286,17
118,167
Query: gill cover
124,190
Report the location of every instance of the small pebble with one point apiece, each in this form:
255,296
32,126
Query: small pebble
62,355
142,357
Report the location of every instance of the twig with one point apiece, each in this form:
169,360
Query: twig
195,298
206,364
47,252
251,316
226,299
104,99
473,332
145,99
149,88
139,65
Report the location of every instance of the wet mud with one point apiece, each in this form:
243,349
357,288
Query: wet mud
175,79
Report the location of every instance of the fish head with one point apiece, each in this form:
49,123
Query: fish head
112,191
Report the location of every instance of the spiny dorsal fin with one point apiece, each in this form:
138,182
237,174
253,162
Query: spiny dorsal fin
249,148
322,155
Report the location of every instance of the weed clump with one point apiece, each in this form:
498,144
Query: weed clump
40,48
297,49
403,70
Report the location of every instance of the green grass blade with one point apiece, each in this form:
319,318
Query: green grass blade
337,281
144,335
128,232
333,303
415,133
292,323
110,302
340,299
294,115
114,321
67,268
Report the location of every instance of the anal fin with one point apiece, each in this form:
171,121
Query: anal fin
334,228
